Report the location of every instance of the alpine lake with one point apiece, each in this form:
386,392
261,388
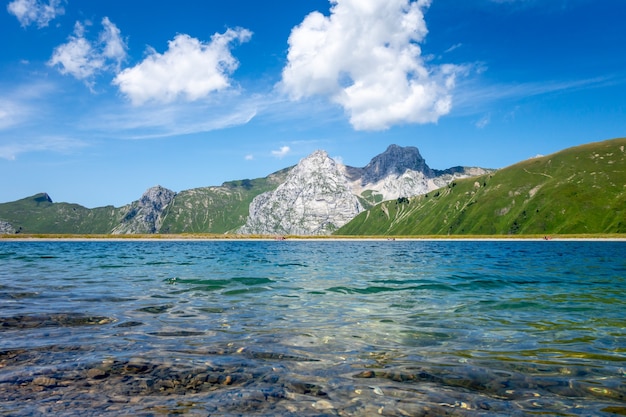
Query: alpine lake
313,328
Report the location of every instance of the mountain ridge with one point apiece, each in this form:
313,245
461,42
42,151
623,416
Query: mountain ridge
581,189
318,196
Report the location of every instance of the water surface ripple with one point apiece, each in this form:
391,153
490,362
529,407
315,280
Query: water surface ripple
297,328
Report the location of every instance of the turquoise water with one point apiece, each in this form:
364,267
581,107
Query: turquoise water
420,328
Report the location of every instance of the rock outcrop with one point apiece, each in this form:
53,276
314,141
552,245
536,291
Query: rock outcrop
146,214
401,172
6,228
315,199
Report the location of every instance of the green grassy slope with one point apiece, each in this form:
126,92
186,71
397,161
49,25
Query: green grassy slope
577,190
37,214
217,209
200,210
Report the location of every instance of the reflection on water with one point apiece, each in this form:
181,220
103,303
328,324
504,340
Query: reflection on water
312,328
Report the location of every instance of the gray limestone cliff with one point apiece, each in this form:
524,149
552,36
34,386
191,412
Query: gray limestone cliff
6,228
401,172
315,199
395,161
146,214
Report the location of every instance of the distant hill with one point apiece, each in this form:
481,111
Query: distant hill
38,214
578,190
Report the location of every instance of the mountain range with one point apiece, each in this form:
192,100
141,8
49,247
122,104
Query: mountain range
315,197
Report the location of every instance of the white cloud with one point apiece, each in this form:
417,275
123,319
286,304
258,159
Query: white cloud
453,47
83,59
249,157
484,121
282,152
365,57
77,57
113,45
35,11
189,68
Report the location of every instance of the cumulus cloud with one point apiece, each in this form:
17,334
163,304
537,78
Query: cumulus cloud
35,11
282,152
113,46
365,57
190,69
83,59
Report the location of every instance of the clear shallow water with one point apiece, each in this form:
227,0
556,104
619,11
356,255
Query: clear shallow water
313,328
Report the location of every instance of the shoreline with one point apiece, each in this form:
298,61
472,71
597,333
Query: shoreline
199,238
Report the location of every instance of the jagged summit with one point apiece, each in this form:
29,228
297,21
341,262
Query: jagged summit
146,214
396,160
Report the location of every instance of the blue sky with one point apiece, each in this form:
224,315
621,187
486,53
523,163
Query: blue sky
102,99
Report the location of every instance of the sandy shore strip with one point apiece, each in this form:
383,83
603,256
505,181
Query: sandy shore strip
242,238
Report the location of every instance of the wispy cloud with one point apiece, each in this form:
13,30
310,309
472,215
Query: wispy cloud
453,47
19,104
35,11
189,69
33,119
282,152
483,121
365,57
11,149
29,121
168,120
12,113
113,46
473,95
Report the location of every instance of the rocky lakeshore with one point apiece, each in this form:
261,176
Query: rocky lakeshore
235,380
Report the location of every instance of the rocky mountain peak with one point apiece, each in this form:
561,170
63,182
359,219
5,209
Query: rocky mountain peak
156,197
315,199
396,160
146,214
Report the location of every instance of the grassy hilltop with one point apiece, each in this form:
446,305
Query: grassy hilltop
38,214
578,190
